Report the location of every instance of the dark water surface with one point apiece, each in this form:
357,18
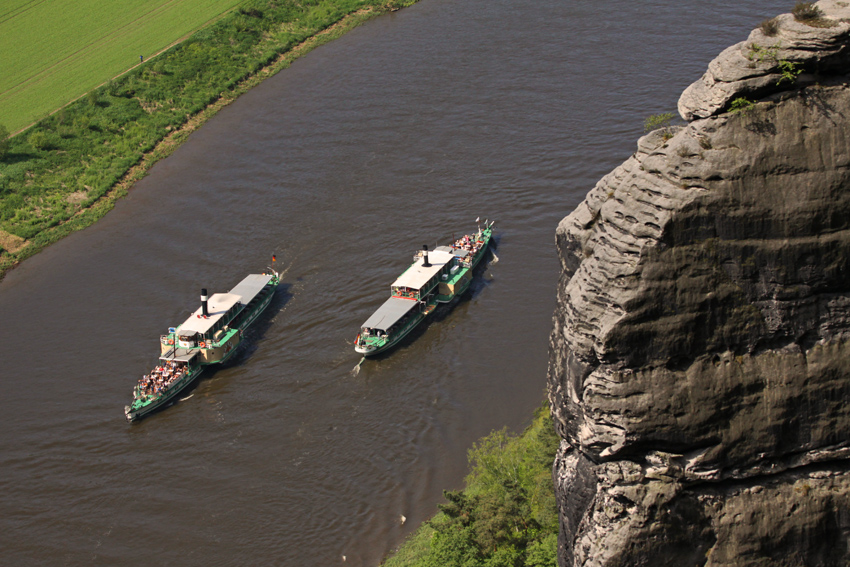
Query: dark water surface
398,134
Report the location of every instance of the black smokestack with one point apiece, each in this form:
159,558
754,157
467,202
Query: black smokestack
204,302
425,263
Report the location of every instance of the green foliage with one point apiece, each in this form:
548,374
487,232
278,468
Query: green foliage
414,550
396,4
40,140
769,27
741,104
543,553
506,516
4,141
789,71
761,53
452,546
806,12
656,121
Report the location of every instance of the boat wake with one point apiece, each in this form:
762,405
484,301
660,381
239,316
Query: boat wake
495,258
356,370
283,271
186,398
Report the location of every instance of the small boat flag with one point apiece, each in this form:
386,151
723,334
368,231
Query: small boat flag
274,258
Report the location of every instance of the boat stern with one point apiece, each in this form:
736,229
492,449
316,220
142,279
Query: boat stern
368,345
365,350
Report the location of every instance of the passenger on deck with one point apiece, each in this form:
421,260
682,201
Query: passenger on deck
161,377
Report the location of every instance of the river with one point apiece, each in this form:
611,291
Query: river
398,134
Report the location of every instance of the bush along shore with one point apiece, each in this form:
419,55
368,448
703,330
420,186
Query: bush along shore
505,517
67,171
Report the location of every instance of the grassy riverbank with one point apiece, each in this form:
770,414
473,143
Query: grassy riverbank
69,169
55,51
506,515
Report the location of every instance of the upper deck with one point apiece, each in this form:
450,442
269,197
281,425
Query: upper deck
419,276
222,307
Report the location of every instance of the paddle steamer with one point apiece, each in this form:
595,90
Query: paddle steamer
435,277
209,336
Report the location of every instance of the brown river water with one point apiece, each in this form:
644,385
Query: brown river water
396,135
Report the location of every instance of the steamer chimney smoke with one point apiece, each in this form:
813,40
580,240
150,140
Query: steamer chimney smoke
204,302
425,263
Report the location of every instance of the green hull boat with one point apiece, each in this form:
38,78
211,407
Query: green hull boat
438,276
209,336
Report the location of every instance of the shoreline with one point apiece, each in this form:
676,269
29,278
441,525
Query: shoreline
15,249
509,484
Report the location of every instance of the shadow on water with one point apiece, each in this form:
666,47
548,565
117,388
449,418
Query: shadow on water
408,339
255,333
246,348
478,284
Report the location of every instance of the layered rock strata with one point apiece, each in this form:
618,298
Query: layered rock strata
700,356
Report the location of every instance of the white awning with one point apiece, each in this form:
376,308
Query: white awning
418,275
389,313
217,306
248,288
220,303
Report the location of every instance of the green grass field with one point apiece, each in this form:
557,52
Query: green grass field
66,171
57,50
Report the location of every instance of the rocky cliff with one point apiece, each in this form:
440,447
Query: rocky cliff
700,356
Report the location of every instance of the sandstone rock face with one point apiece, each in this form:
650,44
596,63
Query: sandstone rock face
753,67
700,356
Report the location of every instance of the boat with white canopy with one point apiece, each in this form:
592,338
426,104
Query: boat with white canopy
209,336
436,276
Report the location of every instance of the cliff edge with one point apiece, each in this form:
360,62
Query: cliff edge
699,369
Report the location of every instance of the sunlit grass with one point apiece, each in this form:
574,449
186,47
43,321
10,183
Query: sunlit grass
68,170
54,52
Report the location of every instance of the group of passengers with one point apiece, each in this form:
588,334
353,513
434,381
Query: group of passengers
469,243
154,384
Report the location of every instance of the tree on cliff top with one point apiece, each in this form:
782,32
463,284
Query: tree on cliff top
656,121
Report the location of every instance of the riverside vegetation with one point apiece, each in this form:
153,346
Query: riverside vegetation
67,171
505,517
